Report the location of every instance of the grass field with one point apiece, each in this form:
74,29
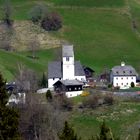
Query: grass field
102,36
123,119
89,3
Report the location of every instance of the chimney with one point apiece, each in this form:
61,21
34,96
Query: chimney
122,64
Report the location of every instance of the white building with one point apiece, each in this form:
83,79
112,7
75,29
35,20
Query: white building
67,69
122,76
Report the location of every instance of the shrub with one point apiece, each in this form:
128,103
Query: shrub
84,93
52,22
91,101
108,99
132,84
49,95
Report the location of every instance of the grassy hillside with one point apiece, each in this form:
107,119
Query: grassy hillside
123,118
101,31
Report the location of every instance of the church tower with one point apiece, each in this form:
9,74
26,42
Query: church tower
68,62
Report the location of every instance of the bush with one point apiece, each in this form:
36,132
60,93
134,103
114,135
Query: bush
91,101
52,22
108,99
84,93
49,95
132,84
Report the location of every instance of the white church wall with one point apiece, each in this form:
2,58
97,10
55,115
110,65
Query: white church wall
52,81
68,68
123,81
73,93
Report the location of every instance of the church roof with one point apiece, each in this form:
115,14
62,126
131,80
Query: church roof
55,69
79,71
67,50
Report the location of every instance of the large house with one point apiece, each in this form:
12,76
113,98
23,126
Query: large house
123,76
66,71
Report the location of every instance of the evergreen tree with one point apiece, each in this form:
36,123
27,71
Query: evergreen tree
68,133
139,134
106,133
43,81
3,93
8,116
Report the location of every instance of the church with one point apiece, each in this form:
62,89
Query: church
66,71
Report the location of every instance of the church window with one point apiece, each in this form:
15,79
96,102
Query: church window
67,58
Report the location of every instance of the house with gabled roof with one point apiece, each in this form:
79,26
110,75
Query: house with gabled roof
67,69
123,76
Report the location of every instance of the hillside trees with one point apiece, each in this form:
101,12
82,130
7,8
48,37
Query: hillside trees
50,21
7,13
37,13
8,116
6,26
26,79
42,122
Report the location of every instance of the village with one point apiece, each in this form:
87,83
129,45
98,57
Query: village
70,78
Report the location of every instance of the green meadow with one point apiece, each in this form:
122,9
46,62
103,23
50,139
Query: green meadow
100,30
122,118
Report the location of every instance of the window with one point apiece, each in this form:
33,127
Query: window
59,78
126,83
117,72
117,78
117,84
79,88
53,78
75,88
123,71
131,77
69,89
122,83
122,78
127,78
130,71
67,58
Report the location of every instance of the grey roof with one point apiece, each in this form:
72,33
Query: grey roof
79,71
71,82
55,69
67,50
126,70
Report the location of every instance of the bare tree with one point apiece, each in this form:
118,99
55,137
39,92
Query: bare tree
26,79
34,45
42,122
7,13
